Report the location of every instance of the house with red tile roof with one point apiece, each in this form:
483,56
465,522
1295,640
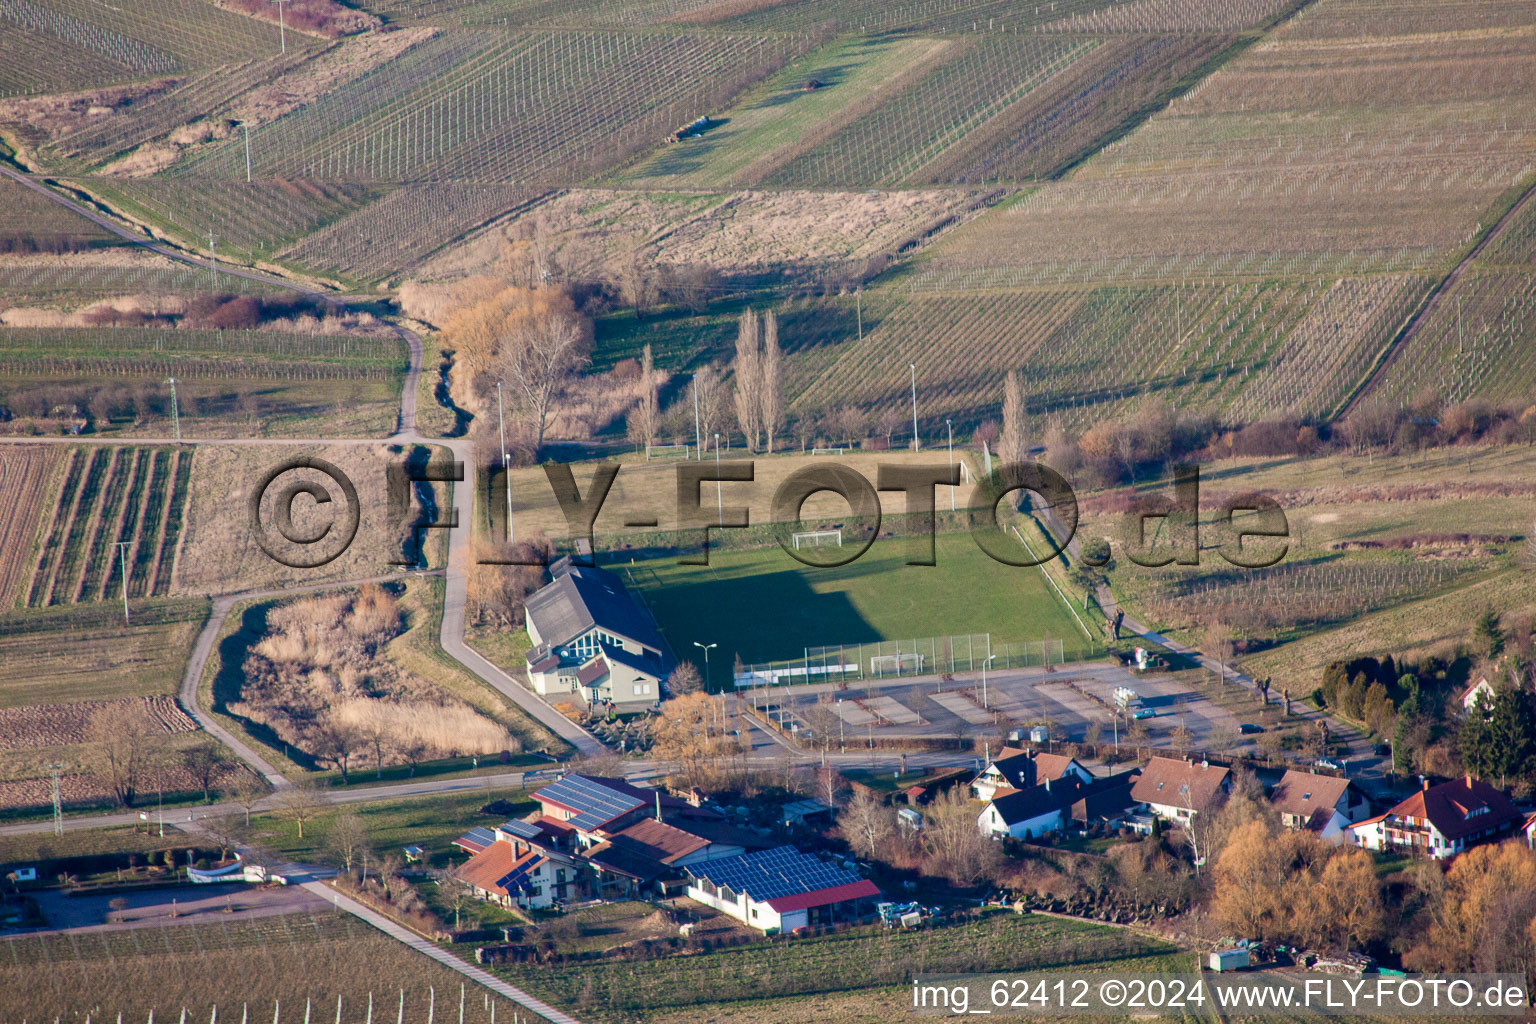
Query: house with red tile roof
596,838
1440,821
1324,804
1178,790
1018,768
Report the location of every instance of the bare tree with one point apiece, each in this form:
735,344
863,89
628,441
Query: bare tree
889,421
955,841
248,791
648,413
748,371
708,390
123,734
300,803
205,761
538,360
1217,641
347,837
684,680
866,824
337,742
635,279
1014,444
773,379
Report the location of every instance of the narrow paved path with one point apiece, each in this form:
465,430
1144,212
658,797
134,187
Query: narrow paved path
192,679
436,952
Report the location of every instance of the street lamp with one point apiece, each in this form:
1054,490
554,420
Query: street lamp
506,469
706,648
949,426
282,29
913,367
984,665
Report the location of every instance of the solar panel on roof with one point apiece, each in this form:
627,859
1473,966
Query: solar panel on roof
521,829
595,804
480,835
770,874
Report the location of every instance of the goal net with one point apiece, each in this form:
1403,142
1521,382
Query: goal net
885,664
818,538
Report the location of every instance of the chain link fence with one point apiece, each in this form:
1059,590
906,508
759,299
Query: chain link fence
927,656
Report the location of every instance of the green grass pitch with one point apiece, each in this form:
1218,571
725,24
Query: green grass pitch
764,605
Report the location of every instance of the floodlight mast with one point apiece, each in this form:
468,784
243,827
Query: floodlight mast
950,426
706,648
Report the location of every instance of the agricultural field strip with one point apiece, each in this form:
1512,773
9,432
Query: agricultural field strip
1011,17
109,495
47,351
184,102
175,517
1256,347
196,33
26,476
252,220
34,62
915,125
114,503
458,105
81,522
404,227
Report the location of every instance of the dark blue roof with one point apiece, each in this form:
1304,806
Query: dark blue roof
770,874
517,878
595,801
580,598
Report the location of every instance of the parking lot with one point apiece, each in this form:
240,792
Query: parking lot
1066,701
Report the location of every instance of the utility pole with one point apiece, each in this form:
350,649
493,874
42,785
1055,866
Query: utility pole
719,498
122,550
213,263
914,406
698,435
506,468
282,30
858,306
175,408
58,805
247,126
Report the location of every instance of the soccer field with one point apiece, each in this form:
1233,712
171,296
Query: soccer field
765,606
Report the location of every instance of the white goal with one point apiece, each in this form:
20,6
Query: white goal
886,664
818,538
666,451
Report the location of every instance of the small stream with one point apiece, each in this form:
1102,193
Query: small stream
461,417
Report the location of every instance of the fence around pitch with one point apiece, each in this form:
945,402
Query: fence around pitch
889,659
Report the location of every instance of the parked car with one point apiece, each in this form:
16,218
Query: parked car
1329,763
1248,728
1144,713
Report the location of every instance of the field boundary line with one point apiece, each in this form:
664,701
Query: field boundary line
1431,302
431,949
1041,567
